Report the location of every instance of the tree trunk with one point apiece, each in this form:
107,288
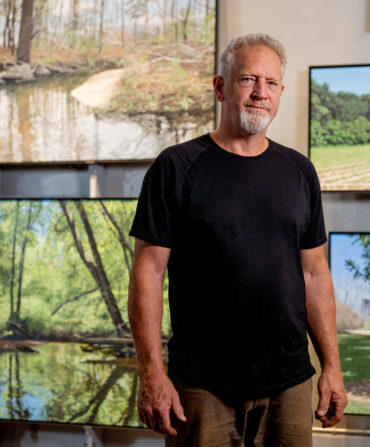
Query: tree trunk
185,21
74,20
10,401
135,29
25,32
21,263
121,327
126,247
7,25
123,22
59,29
174,23
97,270
12,33
164,17
95,18
146,19
101,25
12,274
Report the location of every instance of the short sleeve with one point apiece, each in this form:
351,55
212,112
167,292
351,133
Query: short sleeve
315,234
154,220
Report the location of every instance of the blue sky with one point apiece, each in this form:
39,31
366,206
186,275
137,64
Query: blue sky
346,79
342,248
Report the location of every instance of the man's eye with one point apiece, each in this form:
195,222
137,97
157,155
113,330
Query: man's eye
248,79
273,83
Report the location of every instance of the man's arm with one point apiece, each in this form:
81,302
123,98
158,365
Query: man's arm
320,304
157,395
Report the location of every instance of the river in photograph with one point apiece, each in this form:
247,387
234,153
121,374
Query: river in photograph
65,383
42,122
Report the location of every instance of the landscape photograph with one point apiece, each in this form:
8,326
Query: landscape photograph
66,350
350,269
340,126
104,80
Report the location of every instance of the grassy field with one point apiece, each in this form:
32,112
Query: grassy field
354,352
342,167
355,360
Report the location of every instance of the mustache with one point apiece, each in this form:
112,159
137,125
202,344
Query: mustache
260,104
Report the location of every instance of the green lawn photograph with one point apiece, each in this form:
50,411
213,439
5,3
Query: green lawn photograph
340,127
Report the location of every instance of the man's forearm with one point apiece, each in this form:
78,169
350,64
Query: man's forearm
320,304
145,307
157,396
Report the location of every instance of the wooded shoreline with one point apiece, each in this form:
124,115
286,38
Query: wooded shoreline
17,73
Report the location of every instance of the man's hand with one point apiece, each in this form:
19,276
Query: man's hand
157,396
332,398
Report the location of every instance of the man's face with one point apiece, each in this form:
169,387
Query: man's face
253,90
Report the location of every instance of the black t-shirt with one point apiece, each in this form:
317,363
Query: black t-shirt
235,225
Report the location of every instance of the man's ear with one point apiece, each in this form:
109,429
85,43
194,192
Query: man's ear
219,87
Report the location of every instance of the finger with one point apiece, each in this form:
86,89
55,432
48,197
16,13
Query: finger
145,419
162,424
178,409
339,406
333,415
329,422
323,405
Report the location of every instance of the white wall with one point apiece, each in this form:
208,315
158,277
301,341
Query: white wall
314,32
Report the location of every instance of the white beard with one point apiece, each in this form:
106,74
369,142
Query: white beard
254,122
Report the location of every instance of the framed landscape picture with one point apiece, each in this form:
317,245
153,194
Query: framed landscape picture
97,81
350,269
339,143
66,351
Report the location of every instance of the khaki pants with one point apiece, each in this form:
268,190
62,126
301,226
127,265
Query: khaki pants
284,420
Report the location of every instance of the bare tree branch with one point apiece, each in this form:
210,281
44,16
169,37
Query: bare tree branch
75,298
121,236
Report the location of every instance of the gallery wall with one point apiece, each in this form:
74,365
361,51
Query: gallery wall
316,32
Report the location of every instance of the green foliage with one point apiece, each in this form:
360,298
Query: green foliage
59,293
363,241
338,118
207,30
50,59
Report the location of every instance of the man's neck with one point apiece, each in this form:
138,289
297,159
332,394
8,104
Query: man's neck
242,144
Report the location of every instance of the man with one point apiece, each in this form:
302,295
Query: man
238,220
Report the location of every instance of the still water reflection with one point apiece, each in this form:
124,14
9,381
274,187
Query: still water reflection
62,383
42,122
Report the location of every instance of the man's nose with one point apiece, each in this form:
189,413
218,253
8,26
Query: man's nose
260,89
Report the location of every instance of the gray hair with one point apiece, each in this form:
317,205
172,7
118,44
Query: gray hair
248,41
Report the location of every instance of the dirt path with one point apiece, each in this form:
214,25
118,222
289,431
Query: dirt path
99,90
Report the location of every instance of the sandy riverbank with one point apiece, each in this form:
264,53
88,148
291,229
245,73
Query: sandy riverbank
99,89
